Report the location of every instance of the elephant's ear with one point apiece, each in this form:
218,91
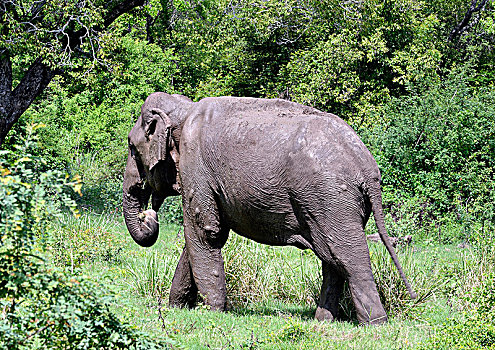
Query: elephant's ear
158,131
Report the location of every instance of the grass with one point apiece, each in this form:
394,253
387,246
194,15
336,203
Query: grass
272,293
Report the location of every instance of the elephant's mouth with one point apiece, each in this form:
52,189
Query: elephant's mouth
142,224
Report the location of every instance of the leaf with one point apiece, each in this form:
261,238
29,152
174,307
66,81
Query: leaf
5,171
23,159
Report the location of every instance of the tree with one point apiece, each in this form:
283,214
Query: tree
52,36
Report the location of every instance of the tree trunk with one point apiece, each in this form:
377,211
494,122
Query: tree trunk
466,24
13,103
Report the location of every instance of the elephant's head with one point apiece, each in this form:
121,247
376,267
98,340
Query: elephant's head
152,163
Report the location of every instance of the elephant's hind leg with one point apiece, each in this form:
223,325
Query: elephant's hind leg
183,292
339,240
331,290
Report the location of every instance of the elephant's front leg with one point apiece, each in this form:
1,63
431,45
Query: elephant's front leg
203,243
183,291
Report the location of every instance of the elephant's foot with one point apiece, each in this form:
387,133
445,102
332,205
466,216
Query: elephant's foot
331,290
323,314
366,300
185,300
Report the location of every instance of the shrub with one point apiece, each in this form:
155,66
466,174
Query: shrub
435,150
43,308
172,210
292,331
475,294
476,328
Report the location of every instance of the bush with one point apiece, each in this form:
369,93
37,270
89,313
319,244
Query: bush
476,329
42,308
474,297
436,151
172,210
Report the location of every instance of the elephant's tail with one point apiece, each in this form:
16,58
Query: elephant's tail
375,196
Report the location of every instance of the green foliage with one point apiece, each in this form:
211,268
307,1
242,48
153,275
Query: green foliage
58,312
468,334
382,66
436,152
29,198
474,291
171,210
30,29
292,331
354,71
88,120
42,308
477,328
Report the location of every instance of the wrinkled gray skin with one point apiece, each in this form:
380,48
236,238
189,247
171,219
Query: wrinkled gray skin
274,171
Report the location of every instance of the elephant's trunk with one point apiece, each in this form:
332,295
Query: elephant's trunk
142,225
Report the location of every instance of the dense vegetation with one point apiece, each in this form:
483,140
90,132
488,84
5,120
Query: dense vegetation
414,78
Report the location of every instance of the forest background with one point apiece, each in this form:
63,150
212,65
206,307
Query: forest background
414,78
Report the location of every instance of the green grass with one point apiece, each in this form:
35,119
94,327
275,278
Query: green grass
272,292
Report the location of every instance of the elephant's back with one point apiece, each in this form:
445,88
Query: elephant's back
273,134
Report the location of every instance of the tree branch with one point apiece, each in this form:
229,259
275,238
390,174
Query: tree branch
14,103
464,24
121,8
32,84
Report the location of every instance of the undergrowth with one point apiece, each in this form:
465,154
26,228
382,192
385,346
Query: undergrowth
44,308
85,238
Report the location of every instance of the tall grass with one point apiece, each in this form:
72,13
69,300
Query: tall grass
424,274
87,238
477,269
150,273
256,272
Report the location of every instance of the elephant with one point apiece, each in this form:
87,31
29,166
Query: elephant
271,170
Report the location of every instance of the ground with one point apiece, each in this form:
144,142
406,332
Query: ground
270,307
